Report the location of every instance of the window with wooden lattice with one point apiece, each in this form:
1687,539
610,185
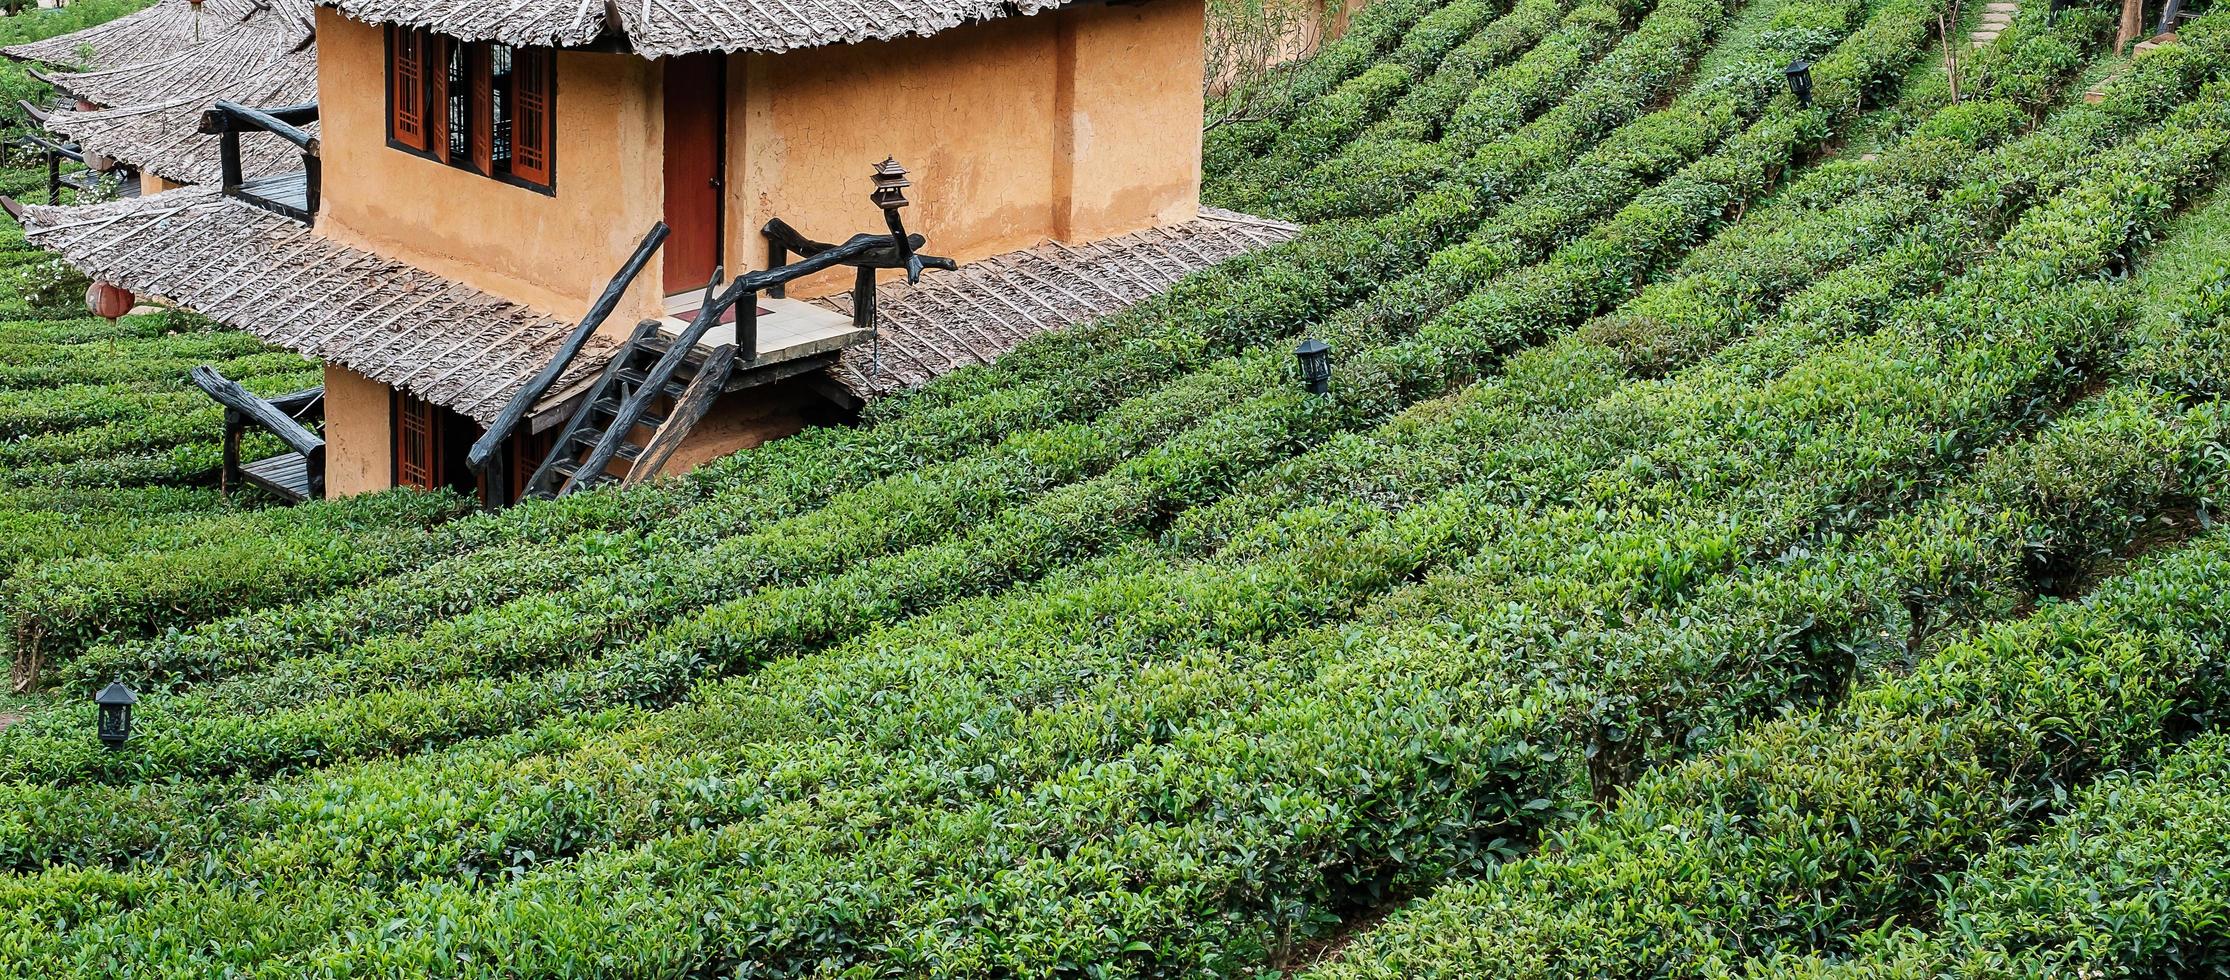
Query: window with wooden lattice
418,443
479,106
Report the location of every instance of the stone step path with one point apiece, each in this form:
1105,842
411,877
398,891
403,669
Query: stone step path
2097,93
1997,15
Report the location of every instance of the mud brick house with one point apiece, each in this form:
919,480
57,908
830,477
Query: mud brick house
456,225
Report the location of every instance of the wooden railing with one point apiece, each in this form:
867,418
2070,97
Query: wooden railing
55,151
279,416
295,197
866,253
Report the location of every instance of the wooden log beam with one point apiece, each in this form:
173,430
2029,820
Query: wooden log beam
258,410
232,117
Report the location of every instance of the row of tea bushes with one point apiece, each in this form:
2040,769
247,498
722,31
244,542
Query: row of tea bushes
1807,833
1250,119
1330,122
2133,881
153,571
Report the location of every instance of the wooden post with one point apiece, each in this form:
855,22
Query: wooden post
312,175
2133,24
228,160
53,177
229,476
495,479
777,257
747,326
863,298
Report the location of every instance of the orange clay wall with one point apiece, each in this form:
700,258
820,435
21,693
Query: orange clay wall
551,252
359,441
1077,124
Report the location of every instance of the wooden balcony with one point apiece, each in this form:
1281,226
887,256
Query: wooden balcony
293,194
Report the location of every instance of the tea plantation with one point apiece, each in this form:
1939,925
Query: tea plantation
1745,536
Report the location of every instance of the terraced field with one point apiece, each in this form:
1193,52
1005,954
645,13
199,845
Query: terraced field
1742,537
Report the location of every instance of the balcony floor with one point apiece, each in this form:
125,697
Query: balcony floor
788,330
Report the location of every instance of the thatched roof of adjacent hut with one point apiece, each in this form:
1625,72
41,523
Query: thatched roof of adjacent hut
955,319
162,31
253,53
664,28
457,346
157,108
278,279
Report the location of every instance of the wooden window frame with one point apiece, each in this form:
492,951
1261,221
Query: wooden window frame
435,87
405,407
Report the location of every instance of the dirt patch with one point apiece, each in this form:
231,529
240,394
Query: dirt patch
1302,956
7,719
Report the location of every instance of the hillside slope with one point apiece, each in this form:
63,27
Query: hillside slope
1764,505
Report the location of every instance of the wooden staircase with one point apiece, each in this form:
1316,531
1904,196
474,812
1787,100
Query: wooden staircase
650,394
656,387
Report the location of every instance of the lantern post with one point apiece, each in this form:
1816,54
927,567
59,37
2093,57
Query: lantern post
1315,357
115,702
1799,74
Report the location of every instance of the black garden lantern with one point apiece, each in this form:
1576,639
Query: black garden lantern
116,702
890,185
1316,365
1799,74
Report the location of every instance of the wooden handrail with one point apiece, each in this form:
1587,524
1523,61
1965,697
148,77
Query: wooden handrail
865,251
227,120
524,399
230,118
783,240
275,415
257,409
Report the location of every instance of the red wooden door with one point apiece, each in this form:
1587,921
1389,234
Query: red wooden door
696,119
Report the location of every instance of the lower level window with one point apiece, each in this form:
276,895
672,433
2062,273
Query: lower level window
418,444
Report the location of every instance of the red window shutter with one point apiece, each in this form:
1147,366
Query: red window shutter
406,56
436,52
533,128
480,68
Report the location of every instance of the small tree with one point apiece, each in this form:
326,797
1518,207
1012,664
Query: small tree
1250,46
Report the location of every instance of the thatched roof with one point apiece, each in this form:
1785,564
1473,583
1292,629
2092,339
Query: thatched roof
456,346
392,322
162,31
159,134
954,319
664,28
251,53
